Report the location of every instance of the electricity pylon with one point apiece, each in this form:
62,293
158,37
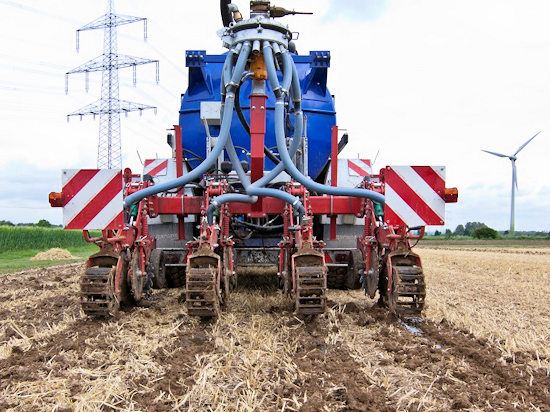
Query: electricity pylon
110,106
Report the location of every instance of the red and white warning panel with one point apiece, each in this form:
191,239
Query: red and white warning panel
155,167
415,195
359,167
93,199
351,172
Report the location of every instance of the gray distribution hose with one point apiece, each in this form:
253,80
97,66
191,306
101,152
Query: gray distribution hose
290,83
218,147
256,189
287,160
252,190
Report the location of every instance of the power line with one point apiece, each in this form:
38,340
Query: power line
110,106
41,12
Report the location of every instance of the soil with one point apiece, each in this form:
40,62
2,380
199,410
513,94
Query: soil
357,357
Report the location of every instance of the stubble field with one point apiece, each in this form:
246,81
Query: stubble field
483,344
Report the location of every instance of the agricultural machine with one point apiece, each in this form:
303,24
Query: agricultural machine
254,185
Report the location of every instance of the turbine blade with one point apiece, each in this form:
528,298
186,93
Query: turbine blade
525,144
514,174
493,153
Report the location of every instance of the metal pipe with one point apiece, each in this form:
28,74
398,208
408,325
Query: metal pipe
256,47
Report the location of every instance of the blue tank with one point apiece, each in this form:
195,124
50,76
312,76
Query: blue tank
204,85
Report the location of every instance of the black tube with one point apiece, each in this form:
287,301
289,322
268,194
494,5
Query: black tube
258,227
226,14
239,110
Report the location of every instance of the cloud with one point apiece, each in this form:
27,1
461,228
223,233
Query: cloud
29,186
356,10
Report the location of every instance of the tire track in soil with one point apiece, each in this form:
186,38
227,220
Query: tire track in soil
334,376
490,379
58,341
469,372
462,372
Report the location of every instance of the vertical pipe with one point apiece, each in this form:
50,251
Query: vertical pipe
333,175
179,151
181,227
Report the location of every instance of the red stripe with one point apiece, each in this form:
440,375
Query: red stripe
431,177
357,169
411,198
390,214
366,161
117,222
97,204
148,162
158,169
77,182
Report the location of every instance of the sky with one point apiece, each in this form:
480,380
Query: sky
416,82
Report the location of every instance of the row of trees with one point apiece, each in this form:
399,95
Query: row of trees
477,230
482,231
41,223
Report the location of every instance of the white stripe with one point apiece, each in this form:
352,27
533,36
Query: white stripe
440,170
107,215
361,165
402,209
422,189
153,164
87,193
67,175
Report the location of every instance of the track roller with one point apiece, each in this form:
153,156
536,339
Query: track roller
202,286
97,292
201,293
410,290
311,286
407,292
310,281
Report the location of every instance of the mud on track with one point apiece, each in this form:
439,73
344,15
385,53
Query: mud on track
257,357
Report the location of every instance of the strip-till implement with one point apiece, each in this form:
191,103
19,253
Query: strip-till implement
255,182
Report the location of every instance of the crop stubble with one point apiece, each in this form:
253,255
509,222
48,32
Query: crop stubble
483,346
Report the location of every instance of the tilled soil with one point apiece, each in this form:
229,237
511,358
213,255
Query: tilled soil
258,356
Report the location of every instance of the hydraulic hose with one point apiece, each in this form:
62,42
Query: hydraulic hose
287,160
220,143
252,191
257,188
225,12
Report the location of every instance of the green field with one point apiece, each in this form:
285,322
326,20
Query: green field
19,244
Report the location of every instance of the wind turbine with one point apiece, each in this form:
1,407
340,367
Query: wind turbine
513,159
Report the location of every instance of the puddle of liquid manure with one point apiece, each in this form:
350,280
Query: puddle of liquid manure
410,326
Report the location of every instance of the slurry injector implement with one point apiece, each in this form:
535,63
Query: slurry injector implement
254,186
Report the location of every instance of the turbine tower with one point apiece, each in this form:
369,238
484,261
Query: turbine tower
513,159
110,106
